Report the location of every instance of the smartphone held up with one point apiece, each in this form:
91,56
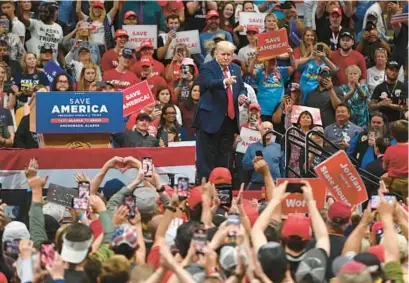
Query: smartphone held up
147,167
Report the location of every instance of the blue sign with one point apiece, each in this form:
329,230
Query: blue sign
51,70
79,112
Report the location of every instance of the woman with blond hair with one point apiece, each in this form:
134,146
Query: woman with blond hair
31,77
88,77
82,34
309,67
309,40
356,96
101,22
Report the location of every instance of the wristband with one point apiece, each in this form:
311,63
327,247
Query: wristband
171,208
161,190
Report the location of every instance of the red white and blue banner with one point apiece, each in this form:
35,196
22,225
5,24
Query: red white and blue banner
60,165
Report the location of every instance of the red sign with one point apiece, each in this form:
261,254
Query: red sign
295,203
137,97
272,44
342,179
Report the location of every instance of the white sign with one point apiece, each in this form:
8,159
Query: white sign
190,38
139,33
249,136
252,19
315,112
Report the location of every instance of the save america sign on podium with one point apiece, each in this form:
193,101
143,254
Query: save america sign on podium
79,112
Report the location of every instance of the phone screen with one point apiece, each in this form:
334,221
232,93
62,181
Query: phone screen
83,189
233,223
47,254
183,187
199,240
80,203
12,211
130,203
259,153
293,188
375,200
11,247
147,166
225,194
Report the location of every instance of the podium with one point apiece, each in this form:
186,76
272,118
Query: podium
76,120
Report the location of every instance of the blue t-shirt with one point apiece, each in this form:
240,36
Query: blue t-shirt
208,36
270,90
309,78
279,14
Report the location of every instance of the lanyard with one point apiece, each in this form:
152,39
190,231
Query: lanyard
335,38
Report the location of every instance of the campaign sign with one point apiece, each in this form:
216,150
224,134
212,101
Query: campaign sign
251,19
342,179
79,112
295,203
139,33
136,98
51,70
249,136
272,44
315,112
190,38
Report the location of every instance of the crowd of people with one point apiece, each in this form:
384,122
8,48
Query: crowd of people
348,60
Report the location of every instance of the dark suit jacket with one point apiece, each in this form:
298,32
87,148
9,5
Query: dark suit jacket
212,107
375,168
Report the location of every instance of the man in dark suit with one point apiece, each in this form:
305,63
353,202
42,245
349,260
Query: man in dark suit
221,92
375,167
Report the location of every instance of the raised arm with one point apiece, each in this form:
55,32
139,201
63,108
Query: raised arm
318,225
114,10
97,180
81,16
390,240
257,232
353,242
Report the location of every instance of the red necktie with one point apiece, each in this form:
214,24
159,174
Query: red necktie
230,103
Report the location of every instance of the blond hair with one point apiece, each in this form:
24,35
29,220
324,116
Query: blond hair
93,17
82,84
77,34
270,15
24,64
115,270
353,68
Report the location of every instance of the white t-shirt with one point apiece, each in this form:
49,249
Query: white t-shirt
380,22
44,35
98,33
245,53
375,77
18,27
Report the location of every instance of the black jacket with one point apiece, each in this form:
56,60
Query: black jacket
23,137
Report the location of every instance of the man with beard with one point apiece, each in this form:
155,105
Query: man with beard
44,32
206,37
390,97
345,56
325,97
362,146
329,34
121,77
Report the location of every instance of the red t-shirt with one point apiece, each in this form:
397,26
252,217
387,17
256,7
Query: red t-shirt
396,160
155,82
121,80
343,62
110,60
158,68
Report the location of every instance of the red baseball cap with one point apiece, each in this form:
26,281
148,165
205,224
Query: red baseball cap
146,44
339,213
146,61
121,32
336,10
99,4
220,175
129,14
297,225
378,251
195,197
253,28
376,227
254,105
212,13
